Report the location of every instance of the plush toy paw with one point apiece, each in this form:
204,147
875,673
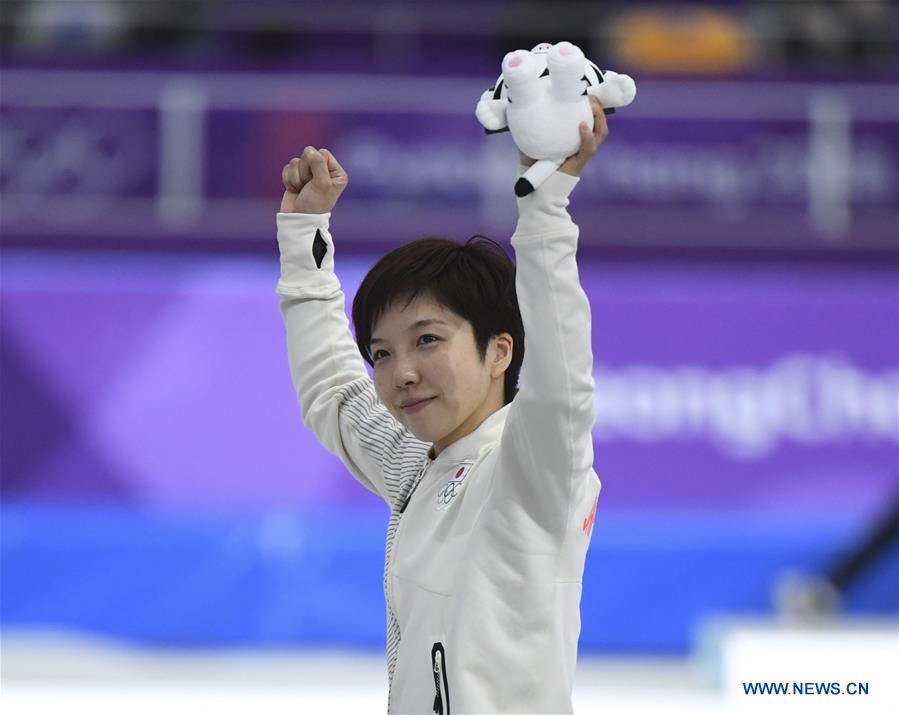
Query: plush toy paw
491,113
565,63
563,55
518,66
616,90
521,72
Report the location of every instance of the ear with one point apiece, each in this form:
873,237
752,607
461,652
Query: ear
500,353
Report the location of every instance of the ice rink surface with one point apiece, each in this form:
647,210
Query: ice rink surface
50,673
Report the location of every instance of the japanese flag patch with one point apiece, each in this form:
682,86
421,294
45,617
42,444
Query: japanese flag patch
455,480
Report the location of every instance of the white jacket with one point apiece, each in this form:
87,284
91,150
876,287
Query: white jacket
484,562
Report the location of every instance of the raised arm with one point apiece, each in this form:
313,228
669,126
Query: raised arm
546,453
336,395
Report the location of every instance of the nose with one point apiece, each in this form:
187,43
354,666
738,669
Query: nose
405,374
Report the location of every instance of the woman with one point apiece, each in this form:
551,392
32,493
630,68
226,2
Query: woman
491,489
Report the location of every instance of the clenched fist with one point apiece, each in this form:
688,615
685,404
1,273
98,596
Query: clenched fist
312,183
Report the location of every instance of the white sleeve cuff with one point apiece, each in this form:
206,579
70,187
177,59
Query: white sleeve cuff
543,209
307,254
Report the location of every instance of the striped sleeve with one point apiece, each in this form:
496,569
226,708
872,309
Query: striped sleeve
336,395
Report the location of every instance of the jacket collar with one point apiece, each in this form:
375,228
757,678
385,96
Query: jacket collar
488,432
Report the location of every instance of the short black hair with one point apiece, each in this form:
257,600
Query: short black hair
475,280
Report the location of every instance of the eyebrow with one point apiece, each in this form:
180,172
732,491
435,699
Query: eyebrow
417,324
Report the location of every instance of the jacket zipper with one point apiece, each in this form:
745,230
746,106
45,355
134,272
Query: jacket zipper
438,665
396,536
421,475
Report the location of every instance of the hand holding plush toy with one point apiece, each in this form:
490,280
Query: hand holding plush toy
542,97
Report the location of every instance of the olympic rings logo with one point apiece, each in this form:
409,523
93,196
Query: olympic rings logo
447,494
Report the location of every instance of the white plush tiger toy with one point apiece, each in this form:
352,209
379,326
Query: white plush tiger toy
541,98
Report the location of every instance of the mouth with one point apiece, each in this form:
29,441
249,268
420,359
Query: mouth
412,407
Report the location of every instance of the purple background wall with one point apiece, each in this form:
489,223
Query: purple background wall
162,381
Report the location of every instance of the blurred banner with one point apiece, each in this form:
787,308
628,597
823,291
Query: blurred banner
130,155
163,382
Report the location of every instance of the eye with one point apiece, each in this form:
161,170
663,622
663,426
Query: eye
426,339
378,354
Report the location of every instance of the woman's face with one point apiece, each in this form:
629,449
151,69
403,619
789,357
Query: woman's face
424,353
